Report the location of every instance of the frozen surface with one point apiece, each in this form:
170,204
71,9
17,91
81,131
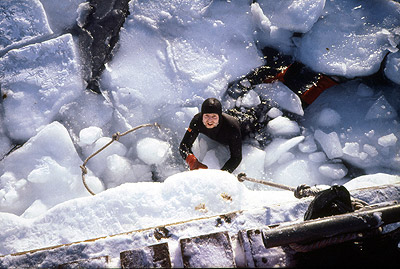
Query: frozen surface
63,15
296,16
281,96
42,173
37,80
392,68
22,21
359,37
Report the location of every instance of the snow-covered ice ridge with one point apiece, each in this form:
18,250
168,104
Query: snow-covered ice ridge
185,239
171,55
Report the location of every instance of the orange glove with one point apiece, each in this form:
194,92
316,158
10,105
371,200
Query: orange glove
193,163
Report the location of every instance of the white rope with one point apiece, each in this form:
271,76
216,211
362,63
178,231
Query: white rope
300,192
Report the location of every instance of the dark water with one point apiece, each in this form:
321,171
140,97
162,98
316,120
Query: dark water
373,252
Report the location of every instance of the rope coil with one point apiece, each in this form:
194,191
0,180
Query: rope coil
304,190
114,137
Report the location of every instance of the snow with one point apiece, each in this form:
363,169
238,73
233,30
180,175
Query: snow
62,14
253,161
328,117
381,109
392,67
38,80
330,143
334,171
88,136
250,99
283,126
46,168
370,180
171,56
153,151
282,96
387,140
296,16
22,22
359,37
274,113
279,147
134,206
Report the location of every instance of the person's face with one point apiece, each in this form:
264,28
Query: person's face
210,120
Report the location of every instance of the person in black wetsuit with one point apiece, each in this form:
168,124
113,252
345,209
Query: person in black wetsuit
219,126
240,122
303,81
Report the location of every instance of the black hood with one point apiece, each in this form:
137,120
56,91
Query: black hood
211,105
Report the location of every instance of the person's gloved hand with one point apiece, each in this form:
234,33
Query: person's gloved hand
193,163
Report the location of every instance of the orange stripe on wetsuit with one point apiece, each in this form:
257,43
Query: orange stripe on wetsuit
309,96
312,93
